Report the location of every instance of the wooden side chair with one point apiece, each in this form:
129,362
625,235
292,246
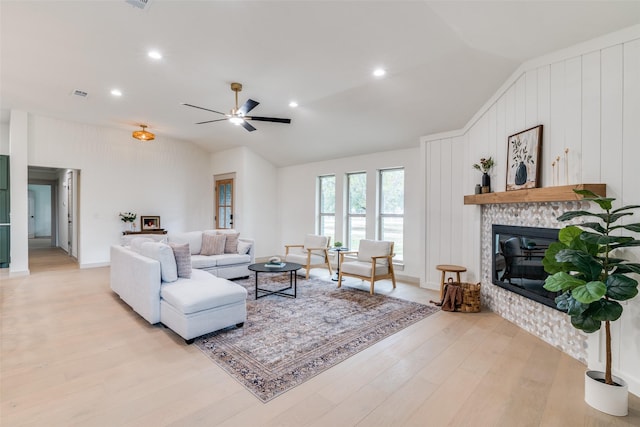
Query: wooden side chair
314,252
373,262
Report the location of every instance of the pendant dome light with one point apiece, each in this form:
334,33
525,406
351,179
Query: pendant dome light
143,135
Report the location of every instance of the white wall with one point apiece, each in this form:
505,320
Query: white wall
256,196
166,177
588,99
297,207
42,209
4,139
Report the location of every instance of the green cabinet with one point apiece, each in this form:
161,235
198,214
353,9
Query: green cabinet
4,212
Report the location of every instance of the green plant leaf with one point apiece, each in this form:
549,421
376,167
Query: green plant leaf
582,262
631,227
549,262
575,214
569,234
624,245
587,193
594,226
627,268
561,282
625,208
585,322
567,303
621,287
589,292
604,310
615,217
599,239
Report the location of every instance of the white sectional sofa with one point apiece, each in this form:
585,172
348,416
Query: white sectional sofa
188,290
191,307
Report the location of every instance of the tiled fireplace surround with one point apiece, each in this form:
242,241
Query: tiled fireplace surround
544,322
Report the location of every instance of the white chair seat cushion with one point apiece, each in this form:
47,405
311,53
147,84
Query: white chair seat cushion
371,248
362,268
193,238
202,291
300,258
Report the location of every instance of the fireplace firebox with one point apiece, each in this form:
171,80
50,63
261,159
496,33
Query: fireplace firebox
517,261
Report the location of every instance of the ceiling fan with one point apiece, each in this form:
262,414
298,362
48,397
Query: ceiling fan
238,116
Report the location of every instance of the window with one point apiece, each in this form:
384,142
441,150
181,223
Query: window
327,206
224,203
391,209
357,208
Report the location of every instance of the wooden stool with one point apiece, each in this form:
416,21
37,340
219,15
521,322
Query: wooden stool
448,268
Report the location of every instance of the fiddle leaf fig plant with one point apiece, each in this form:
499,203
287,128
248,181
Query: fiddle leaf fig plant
582,266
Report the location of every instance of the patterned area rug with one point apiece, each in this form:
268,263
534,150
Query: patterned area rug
287,341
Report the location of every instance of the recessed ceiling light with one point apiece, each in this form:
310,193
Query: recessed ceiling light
116,92
379,72
293,104
154,54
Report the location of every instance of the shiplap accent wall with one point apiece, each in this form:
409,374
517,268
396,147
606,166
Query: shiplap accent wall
588,99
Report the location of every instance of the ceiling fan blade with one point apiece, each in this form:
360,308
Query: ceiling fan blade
202,108
247,126
268,119
249,105
211,121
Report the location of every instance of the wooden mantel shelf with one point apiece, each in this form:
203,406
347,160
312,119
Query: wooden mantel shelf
563,193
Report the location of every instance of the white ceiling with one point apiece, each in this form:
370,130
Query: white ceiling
444,60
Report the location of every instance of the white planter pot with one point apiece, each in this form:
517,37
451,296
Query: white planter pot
610,399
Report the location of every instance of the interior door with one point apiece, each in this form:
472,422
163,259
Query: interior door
32,216
70,212
224,203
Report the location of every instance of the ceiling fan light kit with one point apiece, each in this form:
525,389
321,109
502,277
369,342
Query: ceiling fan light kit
238,115
143,135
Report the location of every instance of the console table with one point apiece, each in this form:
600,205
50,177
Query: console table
159,231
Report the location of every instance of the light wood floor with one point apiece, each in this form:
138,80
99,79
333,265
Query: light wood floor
74,355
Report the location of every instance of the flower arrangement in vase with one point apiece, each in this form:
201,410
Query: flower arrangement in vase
128,218
484,166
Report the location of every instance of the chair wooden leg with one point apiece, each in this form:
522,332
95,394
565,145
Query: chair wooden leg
340,279
442,285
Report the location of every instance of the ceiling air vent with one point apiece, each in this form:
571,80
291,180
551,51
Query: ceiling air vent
81,93
140,4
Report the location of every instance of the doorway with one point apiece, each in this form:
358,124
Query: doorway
53,234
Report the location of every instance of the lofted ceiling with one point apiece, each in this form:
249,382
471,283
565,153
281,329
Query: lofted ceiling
443,61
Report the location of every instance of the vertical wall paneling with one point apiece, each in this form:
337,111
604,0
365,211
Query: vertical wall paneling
590,147
450,167
573,121
521,102
531,105
457,192
557,109
629,349
611,120
492,144
433,208
501,146
544,118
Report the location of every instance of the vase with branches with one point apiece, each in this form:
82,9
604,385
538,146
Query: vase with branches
485,165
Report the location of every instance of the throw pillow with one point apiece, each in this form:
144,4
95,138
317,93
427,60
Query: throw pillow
136,243
164,254
212,244
231,243
243,247
183,259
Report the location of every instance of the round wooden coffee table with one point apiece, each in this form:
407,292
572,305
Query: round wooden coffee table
449,268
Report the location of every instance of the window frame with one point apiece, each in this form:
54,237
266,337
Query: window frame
320,214
349,215
381,215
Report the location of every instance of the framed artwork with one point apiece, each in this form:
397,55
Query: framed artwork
523,159
150,222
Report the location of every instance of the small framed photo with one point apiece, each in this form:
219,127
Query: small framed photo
523,159
150,223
